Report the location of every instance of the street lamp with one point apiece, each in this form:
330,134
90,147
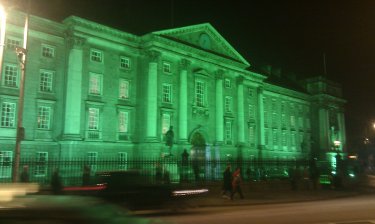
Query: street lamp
337,144
21,54
2,36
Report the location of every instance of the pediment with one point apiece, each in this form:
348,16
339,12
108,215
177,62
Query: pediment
204,37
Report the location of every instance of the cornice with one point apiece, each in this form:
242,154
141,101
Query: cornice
77,22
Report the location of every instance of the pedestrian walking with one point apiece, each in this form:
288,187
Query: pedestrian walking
227,183
86,176
56,184
236,184
25,175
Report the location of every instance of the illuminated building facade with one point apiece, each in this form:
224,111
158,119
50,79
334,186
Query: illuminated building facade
93,91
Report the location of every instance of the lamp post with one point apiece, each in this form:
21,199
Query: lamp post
2,36
21,54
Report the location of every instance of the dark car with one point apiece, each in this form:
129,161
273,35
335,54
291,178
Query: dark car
18,207
137,190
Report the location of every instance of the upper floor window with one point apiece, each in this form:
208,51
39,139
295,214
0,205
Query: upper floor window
10,75
93,119
48,51
46,81
8,115
123,121
228,104
251,135
124,89
228,132
167,67
96,55
12,43
125,63
227,83
44,117
167,93
251,111
95,85
200,93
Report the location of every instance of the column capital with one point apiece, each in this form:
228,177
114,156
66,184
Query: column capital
240,80
260,90
74,41
184,63
219,74
152,55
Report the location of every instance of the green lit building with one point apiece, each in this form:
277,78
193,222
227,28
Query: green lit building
93,91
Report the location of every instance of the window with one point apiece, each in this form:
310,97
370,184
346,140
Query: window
12,43
284,139
166,123
123,160
93,123
275,140
41,164
8,115
228,132
228,104
125,62
167,93
251,92
95,85
92,158
293,140
124,89
96,55
251,112
46,80
6,159
292,121
227,83
251,135
48,51
200,93
11,76
44,117
166,67
123,121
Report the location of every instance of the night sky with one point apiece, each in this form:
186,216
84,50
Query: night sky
291,35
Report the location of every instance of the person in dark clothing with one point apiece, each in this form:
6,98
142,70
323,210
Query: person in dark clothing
56,184
169,136
236,184
25,175
86,175
227,182
184,166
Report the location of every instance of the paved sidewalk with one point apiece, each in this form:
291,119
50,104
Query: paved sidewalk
268,196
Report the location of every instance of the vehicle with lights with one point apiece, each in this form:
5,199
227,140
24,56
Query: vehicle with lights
136,190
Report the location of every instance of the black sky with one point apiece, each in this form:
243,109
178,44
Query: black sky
291,35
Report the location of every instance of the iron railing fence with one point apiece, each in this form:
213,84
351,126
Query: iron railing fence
173,170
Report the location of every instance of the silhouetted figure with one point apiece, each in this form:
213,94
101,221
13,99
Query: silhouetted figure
227,182
25,175
236,184
169,139
158,173
56,184
86,175
184,166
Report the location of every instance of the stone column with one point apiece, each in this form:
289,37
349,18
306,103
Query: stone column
151,97
219,108
342,130
324,138
261,138
240,111
183,101
73,100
